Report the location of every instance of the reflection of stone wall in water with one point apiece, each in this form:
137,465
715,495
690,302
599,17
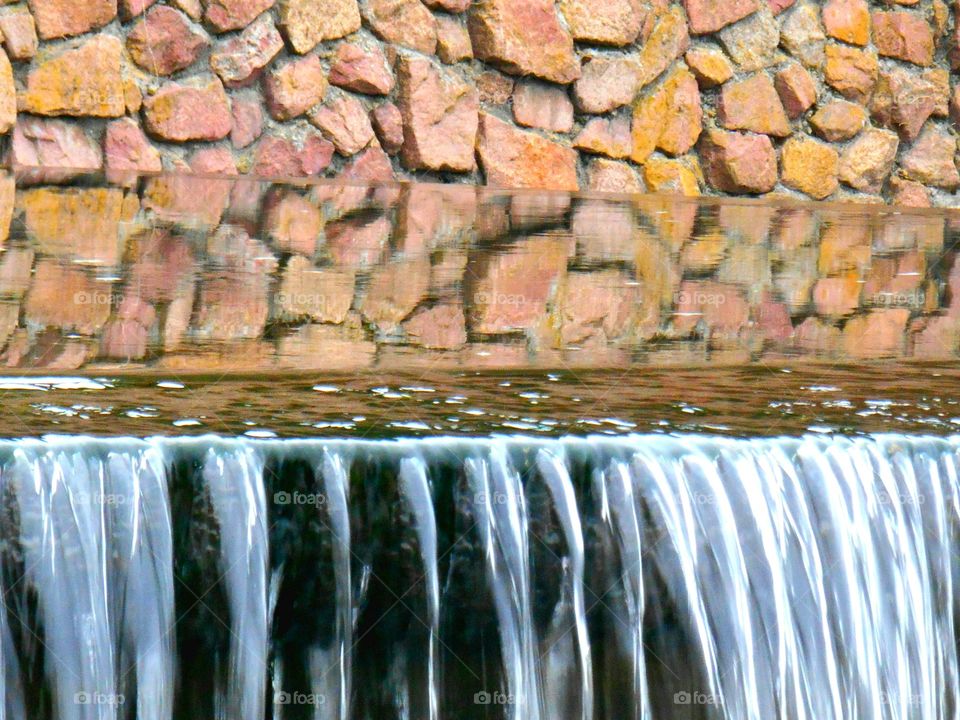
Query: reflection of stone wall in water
188,273
843,99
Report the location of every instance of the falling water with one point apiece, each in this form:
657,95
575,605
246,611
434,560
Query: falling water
639,577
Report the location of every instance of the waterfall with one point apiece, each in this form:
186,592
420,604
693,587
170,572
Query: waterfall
512,578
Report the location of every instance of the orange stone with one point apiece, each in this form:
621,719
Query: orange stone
809,166
905,36
847,20
851,72
670,119
64,18
838,120
82,79
710,67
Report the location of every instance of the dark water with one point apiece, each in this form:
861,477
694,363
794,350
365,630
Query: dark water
634,577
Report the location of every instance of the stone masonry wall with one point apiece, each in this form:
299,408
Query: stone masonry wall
843,99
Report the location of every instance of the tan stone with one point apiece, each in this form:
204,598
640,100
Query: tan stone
880,333
606,83
83,79
838,120
402,22
523,37
809,166
613,177
8,95
609,22
710,67
867,161
752,42
395,290
514,158
320,294
309,22
753,104
802,34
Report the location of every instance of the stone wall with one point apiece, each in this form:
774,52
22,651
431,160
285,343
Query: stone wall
842,99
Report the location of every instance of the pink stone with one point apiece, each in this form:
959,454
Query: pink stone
196,109
131,8
370,166
439,113
19,34
47,147
523,37
606,83
906,100
127,148
213,161
707,16
450,6
294,88
932,159
440,327
226,15
796,89
279,157
388,124
165,41
738,163
540,105
903,35
606,136
123,340
239,60
778,6
247,122
65,18
361,70
453,40
514,158
344,122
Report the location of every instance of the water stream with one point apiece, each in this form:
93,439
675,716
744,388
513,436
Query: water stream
629,577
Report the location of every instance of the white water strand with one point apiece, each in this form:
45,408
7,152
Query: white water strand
415,492
234,480
568,677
